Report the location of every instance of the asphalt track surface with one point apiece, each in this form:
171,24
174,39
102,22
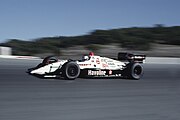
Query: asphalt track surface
23,97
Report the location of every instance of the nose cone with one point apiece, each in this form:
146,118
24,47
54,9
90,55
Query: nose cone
34,71
29,71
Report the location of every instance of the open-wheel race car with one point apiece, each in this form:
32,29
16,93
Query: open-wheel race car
126,65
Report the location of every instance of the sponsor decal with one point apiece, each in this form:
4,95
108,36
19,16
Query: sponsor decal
97,61
138,57
111,64
99,72
104,65
84,64
110,61
103,60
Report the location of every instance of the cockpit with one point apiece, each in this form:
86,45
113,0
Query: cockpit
49,60
87,57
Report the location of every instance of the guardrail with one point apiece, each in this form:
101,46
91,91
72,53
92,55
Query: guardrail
162,60
18,57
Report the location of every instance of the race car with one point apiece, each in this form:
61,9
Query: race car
126,65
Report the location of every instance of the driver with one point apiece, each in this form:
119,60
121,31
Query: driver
88,57
85,58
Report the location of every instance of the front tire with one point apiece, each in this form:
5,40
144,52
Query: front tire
71,71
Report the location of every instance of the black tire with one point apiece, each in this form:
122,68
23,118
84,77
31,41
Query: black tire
71,70
136,71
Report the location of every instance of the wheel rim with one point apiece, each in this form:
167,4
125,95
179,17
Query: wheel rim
72,71
137,70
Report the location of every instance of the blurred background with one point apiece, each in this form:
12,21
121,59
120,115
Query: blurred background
70,28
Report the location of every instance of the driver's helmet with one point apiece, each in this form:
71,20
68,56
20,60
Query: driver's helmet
91,54
85,58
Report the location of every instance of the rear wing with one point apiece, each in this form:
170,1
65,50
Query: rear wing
124,56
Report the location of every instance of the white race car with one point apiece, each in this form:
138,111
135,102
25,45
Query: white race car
126,66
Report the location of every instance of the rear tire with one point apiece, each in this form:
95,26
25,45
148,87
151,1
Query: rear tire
136,71
71,70
133,71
